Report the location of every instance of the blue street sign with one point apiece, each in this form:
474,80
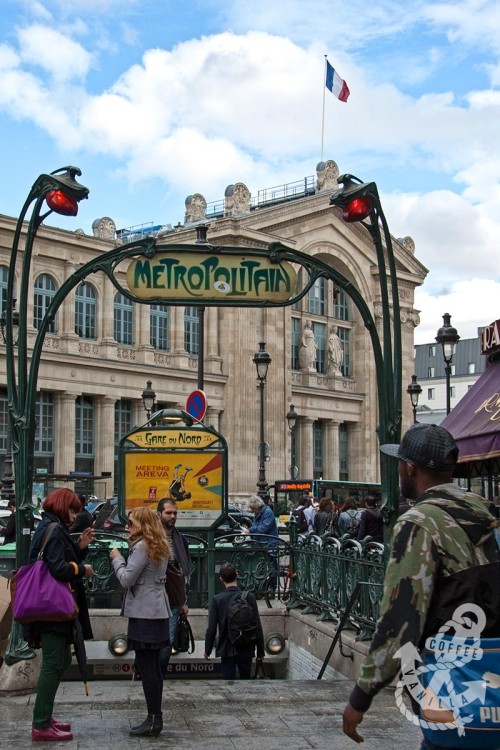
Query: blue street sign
196,404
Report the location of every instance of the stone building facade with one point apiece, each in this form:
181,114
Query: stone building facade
103,348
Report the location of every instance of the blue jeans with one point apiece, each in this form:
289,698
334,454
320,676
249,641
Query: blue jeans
166,653
243,661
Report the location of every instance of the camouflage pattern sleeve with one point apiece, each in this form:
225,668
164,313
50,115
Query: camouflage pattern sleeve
408,586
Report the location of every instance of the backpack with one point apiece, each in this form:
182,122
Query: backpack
302,525
355,521
242,626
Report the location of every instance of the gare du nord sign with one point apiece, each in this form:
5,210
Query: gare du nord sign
203,275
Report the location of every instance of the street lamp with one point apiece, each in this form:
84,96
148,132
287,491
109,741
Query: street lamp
360,202
148,398
414,390
262,360
448,337
291,418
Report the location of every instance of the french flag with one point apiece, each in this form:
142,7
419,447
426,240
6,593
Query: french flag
336,84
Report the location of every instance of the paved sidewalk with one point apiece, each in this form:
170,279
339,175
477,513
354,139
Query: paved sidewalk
214,715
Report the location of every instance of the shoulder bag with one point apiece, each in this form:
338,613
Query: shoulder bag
184,639
37,596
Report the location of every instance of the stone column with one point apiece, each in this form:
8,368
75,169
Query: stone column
64,459
177,329
306,448
331,468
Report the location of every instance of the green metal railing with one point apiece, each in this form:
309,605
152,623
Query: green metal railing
318,574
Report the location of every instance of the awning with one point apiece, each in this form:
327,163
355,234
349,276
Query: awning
475,420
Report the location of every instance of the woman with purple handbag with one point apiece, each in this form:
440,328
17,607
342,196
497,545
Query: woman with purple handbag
63,557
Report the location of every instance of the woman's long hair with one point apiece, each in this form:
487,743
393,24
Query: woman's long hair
150,530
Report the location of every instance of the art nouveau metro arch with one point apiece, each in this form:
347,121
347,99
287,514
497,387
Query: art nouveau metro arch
196,275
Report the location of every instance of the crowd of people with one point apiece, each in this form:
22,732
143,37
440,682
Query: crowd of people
339,518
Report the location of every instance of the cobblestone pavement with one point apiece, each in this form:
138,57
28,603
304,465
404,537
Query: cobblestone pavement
214,715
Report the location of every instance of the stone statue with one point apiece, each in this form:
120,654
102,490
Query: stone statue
307,351
335,353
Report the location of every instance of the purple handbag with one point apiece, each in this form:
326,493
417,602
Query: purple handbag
38,596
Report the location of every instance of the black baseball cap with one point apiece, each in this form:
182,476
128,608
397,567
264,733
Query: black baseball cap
427,446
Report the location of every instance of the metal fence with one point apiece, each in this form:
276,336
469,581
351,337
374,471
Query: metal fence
318,574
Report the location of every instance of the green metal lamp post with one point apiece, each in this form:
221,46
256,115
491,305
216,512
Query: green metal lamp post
262,360
61,192
291,419
448,337
360,201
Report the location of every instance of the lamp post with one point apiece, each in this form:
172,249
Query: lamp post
360,202
414,390
448,337
291,418
8,492
262,360
148,398
61,193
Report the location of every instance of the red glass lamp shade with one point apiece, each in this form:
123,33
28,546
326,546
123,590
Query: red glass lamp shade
62,203
358,209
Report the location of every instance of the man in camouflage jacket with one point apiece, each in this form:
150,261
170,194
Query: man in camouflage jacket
444,553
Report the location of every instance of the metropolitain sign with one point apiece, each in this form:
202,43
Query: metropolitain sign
211,276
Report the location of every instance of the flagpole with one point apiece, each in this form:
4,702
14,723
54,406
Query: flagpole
323,116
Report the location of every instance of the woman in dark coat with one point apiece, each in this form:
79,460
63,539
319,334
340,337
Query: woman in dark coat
64,559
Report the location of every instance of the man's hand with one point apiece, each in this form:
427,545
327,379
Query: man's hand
351,719
184,609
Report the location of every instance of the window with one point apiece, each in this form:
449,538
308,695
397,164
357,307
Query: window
44,435
343,452
86,311
158,327
84,434
344,336
4,275
316,297
432,350
4,420
298,305
317,450
431,372
123,319
341,305
123,425
45,288
191,330
319,330
471,368
295,343
430,393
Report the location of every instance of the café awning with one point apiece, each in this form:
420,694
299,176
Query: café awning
475,420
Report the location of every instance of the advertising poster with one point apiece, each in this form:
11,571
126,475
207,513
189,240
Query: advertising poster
192,479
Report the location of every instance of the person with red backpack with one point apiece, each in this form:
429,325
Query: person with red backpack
235,615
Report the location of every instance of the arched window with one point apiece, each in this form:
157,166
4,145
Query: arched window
123,319
158,327
295,343
319,330
316,297
86,311
45,289
344,336
191,330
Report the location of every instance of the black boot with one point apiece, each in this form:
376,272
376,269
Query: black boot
150,727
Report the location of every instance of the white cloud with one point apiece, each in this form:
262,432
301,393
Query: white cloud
45,47
471,304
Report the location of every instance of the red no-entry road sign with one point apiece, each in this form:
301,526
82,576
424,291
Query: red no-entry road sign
196,404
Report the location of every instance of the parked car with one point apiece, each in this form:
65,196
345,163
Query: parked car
243,517
103,510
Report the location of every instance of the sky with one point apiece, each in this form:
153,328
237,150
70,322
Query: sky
155,100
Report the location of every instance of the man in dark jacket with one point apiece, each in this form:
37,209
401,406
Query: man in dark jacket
10,528
443,554
231,656
371,523
83,518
